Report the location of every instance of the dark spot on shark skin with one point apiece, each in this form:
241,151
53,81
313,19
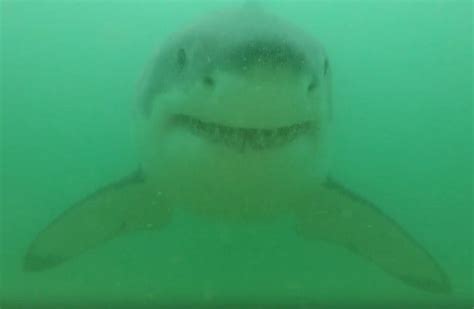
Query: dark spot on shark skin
208,81
313,84
123,226
326,66
33,263
181,58
443,286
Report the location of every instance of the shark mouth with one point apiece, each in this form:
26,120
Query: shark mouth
243,138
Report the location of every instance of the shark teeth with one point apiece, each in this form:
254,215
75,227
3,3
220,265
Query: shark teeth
242,138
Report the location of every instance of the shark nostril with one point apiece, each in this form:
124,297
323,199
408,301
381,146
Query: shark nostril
326,67
313,83
312,86
208,81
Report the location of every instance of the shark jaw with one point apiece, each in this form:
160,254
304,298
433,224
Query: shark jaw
244,146
260,111
240,138
235,173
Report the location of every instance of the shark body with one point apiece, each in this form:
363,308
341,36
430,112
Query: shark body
233,122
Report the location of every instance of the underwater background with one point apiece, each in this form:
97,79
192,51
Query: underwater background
402,82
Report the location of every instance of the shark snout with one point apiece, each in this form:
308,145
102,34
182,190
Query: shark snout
260,98
309,84
274,56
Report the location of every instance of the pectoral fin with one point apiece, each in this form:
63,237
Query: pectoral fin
116,209
339,216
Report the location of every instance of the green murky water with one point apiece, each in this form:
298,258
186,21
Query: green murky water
402,78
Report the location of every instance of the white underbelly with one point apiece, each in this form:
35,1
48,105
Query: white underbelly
216,180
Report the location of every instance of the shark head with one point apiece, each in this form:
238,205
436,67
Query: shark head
234,104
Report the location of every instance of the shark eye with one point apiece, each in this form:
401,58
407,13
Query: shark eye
181,58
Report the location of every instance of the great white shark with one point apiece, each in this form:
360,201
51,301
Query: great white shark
233,121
